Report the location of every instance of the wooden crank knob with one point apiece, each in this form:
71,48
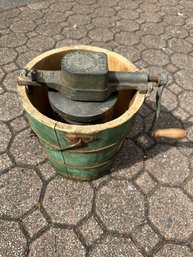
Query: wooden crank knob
175,133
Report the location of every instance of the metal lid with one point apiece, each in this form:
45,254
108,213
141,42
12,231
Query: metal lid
84,112
85,62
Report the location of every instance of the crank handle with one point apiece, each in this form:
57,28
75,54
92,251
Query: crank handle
175,133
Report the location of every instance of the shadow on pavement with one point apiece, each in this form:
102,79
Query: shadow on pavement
139,146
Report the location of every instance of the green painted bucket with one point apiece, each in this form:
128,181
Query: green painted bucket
79,152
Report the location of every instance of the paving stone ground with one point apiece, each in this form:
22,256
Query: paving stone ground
145,206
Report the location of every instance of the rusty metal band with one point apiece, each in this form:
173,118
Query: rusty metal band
57,148
79,167
78,143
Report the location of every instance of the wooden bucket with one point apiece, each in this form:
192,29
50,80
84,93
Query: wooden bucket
79,152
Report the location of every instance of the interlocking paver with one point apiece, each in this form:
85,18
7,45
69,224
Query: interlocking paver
114,246
120,206
20,189
18,124
184,78
146,237
171,212
7,55
91,230
72,206
55,242
145,182
47,171
9,106
10,81
167,165
129,162
174,250
103,35
25,57
40,43
34,222
155,57
157,36
5,136
5,162
26,149
12,240
127,38
13,40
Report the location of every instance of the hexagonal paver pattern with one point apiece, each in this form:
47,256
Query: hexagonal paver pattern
9,106
10,80
34,222
155,57
145,182
180,45
23,26
171,212
13,40
18,124
189,186
40,43
120,206
149,189
114,246
64,195
91,230
174,250
168,165
7,55
182,61
129,161
126,38
184,79
146,237
19,189
12,240
47,171
101,35
5,136
26,149
185,100
57,242
5,162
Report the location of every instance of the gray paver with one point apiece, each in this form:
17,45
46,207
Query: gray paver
120,206
18,124
10,81
7,55
55,242
46,171
9,106
26,148
157,36
20,189
113,246
5,162
146,237
91,230
34,222
5,136
174,250
171,211
167,165
12,240
129,161
145,182
72,206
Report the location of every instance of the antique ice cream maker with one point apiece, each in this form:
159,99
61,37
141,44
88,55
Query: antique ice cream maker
81,102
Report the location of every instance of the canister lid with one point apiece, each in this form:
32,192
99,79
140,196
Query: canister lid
84,112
